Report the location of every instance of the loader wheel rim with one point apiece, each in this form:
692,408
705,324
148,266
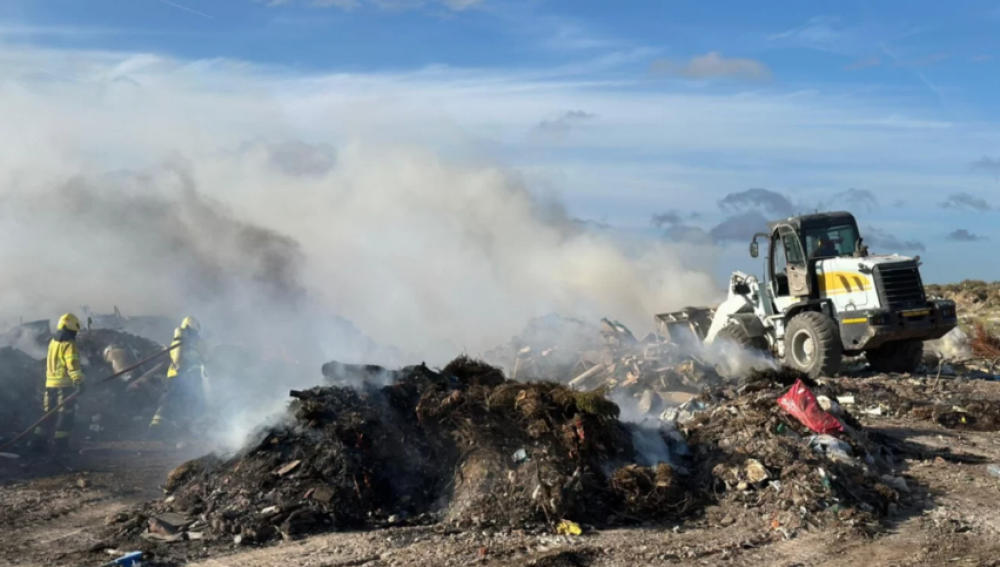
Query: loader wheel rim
803,349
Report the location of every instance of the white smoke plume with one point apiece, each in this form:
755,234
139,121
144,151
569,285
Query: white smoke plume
176,189
953,346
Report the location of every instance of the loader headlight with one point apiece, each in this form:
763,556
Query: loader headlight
878,319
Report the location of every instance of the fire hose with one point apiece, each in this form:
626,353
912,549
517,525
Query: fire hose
74,395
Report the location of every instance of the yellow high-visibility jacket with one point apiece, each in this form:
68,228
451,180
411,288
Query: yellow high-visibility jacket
62,366
187,356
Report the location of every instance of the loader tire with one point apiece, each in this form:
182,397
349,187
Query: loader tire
737,335
812,344
900,357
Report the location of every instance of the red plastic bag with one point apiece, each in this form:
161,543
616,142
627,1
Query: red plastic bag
802,404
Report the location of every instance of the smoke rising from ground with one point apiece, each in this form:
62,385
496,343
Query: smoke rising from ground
178,192
425,255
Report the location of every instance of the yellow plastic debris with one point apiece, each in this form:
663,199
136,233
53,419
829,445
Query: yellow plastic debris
567,527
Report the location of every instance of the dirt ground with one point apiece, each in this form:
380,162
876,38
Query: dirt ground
53,509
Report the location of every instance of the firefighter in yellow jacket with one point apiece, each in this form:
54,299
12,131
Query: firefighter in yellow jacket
63,377
184,377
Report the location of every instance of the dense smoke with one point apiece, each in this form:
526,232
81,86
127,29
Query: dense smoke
431,257
171,193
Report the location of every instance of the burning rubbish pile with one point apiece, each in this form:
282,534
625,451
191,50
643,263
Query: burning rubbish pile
21,381
773,455
467,447
463,445
647,374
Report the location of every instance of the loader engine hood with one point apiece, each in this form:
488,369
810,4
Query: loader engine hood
871,282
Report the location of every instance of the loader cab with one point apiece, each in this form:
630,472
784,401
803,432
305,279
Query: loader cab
797,243
787,267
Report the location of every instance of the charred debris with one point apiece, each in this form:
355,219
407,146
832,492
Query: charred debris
466,447
555,432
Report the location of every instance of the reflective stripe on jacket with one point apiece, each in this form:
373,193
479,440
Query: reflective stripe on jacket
187,356
62,365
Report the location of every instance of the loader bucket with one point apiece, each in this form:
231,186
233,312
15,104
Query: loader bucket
688,326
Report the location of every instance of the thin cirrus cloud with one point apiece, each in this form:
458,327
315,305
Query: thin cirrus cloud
712,65
820,31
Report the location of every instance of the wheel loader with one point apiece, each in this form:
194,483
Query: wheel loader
823,297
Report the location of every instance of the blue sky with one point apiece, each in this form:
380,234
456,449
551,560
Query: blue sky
624,110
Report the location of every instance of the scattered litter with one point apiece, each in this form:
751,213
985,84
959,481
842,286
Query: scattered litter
756,473
802,404
831,447
993,470
505,454
128,560
520,456
648,376
830,406
685,412
169,523
289,468
567,527
151,536
814,489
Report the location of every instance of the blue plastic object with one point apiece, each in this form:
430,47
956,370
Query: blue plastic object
128,560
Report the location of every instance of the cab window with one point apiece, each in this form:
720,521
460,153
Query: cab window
831,241
792,246
779,258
